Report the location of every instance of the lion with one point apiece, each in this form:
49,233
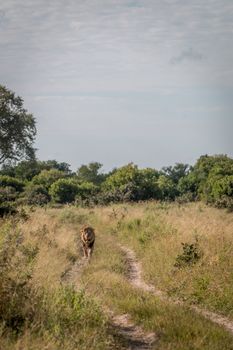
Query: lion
88,239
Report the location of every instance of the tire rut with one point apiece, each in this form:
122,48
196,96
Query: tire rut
135,277
134,336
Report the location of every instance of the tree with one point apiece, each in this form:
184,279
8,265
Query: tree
47,177
27,169
53,164
36,195
8,181
91,173
167,187
17,128
176,172
64,191
131,183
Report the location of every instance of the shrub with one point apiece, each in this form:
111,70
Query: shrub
7,208
64,191
167,188
8,181
129,183
225,202
222,192
7,194
36,195
86,194
191,254
185,198
47,177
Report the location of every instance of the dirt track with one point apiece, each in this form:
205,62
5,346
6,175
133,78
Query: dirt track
135,336
135,277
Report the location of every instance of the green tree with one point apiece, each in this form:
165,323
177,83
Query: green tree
167,188
131,183
176,172
53,164
208,170
36,195
27,169
63,191
17,128
188,184
91,173
8,181
47,177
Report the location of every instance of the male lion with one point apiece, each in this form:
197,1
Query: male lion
88,239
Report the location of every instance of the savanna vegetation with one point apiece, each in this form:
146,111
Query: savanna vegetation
41,309
169,217
41,183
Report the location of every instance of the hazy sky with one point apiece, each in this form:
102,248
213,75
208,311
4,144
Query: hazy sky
114,81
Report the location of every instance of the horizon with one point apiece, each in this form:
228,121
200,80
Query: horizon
104,170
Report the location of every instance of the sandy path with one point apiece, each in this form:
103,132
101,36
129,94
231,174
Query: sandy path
135,337
135,277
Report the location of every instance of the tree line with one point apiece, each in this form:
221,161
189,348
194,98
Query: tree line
40,182
27,180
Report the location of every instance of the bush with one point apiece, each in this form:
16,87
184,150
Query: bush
47,177
185,198
36,195
64,191
8,181
7,194
129,183
7,208
167,188
86,194
222,191
225,202
191,254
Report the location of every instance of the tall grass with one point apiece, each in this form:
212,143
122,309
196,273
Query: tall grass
38,311
158,233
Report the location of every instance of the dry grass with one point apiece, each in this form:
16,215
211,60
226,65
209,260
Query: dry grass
155,231
158,241
44,313
106,278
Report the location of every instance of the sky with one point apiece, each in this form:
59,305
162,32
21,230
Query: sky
119,81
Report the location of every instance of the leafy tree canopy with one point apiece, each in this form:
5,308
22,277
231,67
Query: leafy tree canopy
47,177
134,183
27,169
17,128
176,172
53,164
64,190
91,173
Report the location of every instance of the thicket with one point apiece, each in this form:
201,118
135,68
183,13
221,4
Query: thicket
38,183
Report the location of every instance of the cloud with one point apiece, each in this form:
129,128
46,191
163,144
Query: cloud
79,60
112,44
187,55
3,19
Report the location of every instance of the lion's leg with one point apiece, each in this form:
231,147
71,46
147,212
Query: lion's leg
90,249
85,253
